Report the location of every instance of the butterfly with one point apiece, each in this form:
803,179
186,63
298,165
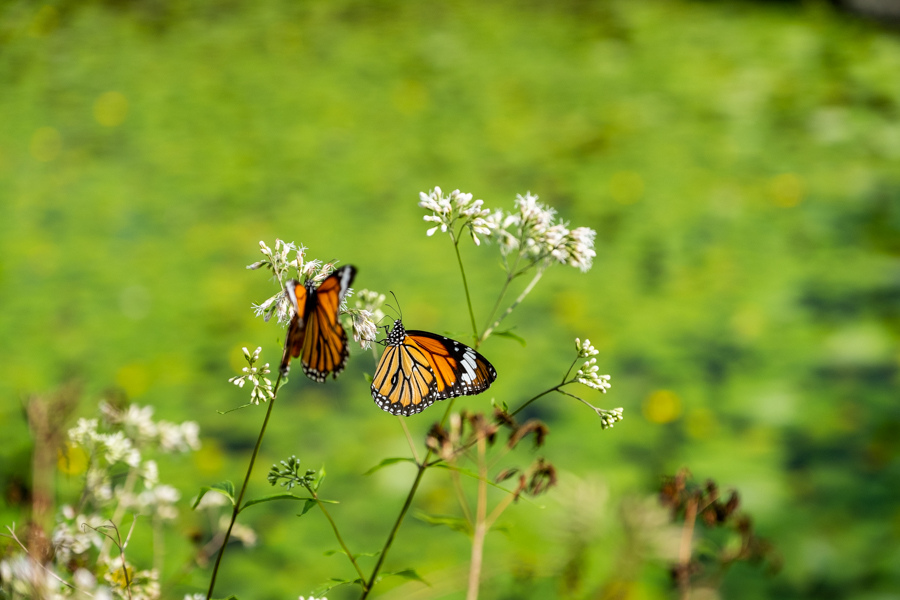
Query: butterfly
417,368
315,331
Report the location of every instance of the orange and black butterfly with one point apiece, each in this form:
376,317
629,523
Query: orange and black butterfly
315,331
418,368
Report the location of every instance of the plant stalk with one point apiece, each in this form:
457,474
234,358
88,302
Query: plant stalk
240,498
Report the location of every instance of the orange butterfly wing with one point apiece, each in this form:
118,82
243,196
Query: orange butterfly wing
315,331
419,368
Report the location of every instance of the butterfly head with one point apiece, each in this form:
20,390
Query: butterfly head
396,335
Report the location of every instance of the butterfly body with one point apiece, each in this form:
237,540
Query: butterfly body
315,333
419,368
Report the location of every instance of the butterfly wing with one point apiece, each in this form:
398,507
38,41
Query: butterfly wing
459,370
418,368
404,383
325,349
318,334
296,332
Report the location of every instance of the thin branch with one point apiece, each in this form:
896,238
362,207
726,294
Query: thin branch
412,444
462,271
480,525
240,498
12,536
512,307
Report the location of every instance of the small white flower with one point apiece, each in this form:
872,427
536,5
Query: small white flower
84,433
457,207
585,349
364,329
588,375
149,472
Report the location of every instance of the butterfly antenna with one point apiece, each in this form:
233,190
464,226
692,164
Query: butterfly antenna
396,309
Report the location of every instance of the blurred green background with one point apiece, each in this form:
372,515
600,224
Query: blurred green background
740,162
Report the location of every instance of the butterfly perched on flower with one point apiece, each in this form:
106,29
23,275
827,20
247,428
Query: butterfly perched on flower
417,368
315,331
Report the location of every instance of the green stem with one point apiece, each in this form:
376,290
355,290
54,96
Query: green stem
509,278
462,272
555,388
480,530
512,307
240,498
423,466
362,576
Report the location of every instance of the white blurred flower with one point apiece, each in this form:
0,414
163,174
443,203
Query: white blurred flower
179,437
242,533
364,329
119,449
84,433
160,501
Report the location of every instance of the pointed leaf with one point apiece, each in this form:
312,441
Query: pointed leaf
387,462
408,574
333,583
509,334
226,488
306,507
455,523
320,476
282,496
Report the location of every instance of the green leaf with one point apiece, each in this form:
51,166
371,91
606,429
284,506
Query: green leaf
333,583
320,476
455,523
509,334
341,551
408,574
226,488
310,502
282,496
387,462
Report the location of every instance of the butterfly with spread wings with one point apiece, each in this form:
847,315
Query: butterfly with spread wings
417,368
315,331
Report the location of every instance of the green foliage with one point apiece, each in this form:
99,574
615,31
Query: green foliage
744,296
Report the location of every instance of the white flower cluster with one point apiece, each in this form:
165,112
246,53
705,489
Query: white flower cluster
588,373
85,562
364,315
530,230
608,417
585,348
137,425
458,206
263,389
285,257
588,376
23,577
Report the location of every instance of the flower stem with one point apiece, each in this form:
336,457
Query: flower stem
334,527
480,530
423,466
462,272
512,307
240,498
